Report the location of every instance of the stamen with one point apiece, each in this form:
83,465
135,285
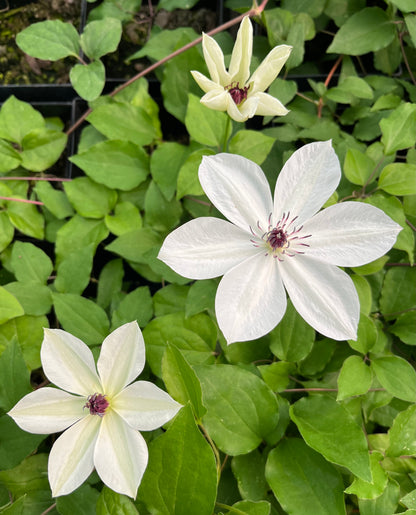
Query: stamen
97,404
237,94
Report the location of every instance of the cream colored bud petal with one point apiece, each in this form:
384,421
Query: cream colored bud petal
214,59
216,99
204,83
270,68
269,106
239,69
234,112
249,107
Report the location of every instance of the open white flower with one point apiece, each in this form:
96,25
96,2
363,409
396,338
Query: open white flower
269,246
234,90
103,417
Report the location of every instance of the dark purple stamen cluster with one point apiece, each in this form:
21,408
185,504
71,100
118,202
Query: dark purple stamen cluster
97,404
277,238
237,94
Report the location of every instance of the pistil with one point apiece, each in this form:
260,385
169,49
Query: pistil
97,404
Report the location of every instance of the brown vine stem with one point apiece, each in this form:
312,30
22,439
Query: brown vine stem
51,507
406,62
254,11
327,81
25,201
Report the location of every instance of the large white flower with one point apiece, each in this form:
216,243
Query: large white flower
103,417
234,90
269,246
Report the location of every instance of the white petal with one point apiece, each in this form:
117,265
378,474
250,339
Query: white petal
216,99
214,59
122,358
239,68
120,455
307,180
238,188
250,299
48,410
247,109
69,363
270,67
234,111
204,83
144,406
205,247
350,234
71,457
323,295
269,106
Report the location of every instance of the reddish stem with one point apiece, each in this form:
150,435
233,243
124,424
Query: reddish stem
327,81
25,201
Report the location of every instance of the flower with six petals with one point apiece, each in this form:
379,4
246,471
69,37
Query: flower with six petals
103,419
285,243
234,90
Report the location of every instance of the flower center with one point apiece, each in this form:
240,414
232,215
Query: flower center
237,94
97,404
283,239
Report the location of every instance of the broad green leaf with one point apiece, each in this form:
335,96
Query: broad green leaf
398,179
14,376
370,490
316,361
116,164
34,298
366,335
250,508
109,282
113,9
253,145
314,8
15,445
302,29
205,125
170,5
124,122
241,408
90,199
188,182
81,317
181,381
112,503
170,299
42,148
364,293
402,434
9,156
201,297
165,163
293,338
10,307
26,218
30,263
136,305
354,378
88,80
385,504
181,477
160,214
125,218
398,129
6,231
276,375
165,42
27,331
404,327
54,200
284,90
134,244
17,119
101,37
406,6
82,501
303,481
365,31
50,40
410,21
74,271
397,376
358,166
248,469
396,296
371,268
330,429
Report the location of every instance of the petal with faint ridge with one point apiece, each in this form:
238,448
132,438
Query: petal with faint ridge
216,99
214,59
204,83
269,106
239,68
270,67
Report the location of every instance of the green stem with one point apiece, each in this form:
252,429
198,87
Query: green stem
230,508
227,128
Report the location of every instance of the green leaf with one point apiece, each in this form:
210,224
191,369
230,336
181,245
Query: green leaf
248,469
188,182
181,381
30,263
181,477
404,327
14,376
354,378
253,145
54,200
50,40
330,429
34,298
133,245
398,128
366,335
16,444
90,199
160,214
364,293
42,148
358,166
385,504
136,305
241,408
398,179
406,6
9,157
74,271
116,164
81,317
250,508
397,376
396,296
205,125
303,481
10,307
101,37
370,490
82,501
17,119
170,299
6,231
276,375
88,80
402,434
365,31
293,338
410,21
318,358
112,503
170,5
165,163
109,282
201,297
126,218
26,218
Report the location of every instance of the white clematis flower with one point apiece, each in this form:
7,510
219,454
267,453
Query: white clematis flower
234,90
104,416
272,245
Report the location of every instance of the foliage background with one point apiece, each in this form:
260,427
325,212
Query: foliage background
293,422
